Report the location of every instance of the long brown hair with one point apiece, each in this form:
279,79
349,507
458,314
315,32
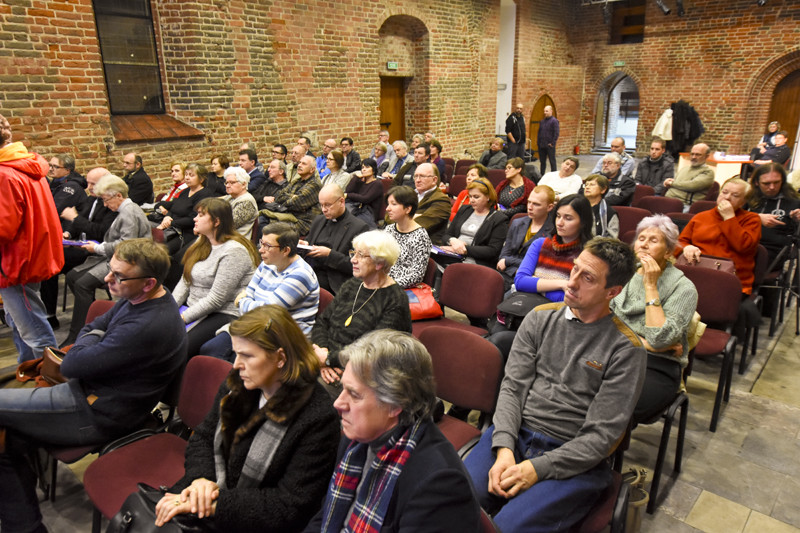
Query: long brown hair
222,215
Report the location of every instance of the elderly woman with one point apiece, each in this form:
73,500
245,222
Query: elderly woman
370,300
727,231
84,279
415,244
513,192
179,214
658,303
606,221
396,470
261,459
478,230
364,194
380,150
244,206
216,268
338,174
564,181
474,172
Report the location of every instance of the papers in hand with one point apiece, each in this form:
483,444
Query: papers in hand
69,242
436,250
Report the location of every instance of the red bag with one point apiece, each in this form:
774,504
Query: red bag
422,303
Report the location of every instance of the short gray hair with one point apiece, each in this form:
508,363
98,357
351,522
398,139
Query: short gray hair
382,247
665,225
239,173
111,184
398,368
401,144
613,156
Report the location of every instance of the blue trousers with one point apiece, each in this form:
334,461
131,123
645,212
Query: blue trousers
220,347
549,505
27,317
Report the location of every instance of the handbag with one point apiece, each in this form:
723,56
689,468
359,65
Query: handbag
422,303
138,515
709,261
517,306
51,366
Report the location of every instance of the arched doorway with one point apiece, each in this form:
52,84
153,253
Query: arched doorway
785,107
616,111
404,44
537,114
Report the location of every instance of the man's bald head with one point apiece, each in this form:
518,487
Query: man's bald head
93,176
331,201
699,154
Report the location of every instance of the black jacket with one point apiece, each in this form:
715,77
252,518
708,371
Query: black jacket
489,239
336,267
140,187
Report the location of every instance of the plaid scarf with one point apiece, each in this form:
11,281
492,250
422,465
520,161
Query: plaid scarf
373,499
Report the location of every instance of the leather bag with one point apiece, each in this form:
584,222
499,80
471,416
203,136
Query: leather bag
422,303
709,261
138,515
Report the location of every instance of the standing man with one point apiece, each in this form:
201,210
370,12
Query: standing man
546,139
140,186
515,131
573,376
30,244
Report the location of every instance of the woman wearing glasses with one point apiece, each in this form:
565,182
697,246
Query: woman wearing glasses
337,175
370,300
242,202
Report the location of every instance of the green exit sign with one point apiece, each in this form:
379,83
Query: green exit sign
619,63
391,65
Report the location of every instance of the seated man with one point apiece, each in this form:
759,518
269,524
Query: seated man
775,154
692,182
564,181
66,185
656,168
494,157
620,185
524,230
322,159
627,163
433,210
296,204
573,376
248,160
352,160
103,398
276,174
400,158
405,176
778,205
139,183
330,236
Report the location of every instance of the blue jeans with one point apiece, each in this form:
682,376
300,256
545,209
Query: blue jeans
27,317
220,347
549,505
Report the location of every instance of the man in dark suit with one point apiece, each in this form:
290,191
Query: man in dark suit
331,236
140,186
352,160
248,160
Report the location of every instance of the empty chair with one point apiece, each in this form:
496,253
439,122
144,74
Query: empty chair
629,217
496,175
462,165
640,192
660,204
457,184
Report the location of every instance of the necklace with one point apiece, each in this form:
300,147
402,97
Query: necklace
353,309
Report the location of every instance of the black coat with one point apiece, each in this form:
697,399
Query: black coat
489,239
140,187
337,266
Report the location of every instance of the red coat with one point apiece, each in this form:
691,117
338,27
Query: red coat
30,230
735,239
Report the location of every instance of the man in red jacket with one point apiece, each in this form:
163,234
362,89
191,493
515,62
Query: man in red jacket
30,243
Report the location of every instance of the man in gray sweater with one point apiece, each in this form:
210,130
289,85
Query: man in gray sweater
573,377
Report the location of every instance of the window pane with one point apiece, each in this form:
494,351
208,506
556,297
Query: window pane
126,40
134,89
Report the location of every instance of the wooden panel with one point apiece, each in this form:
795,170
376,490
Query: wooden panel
785,106
537,114
393,106
135,128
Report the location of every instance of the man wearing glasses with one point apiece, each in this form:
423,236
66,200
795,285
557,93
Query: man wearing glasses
626,162
118,371
434,206
322,159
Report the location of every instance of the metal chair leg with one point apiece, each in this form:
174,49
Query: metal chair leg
681,434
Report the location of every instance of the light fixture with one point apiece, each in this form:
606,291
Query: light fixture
664,8
761,3
681,11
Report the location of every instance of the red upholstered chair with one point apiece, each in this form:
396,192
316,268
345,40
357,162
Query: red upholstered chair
449,161
158,235
474,290
468,370
430,273
713,192
718,297
325,298
448,173
702,205
496,175
610,512
660,204
629,217
759,275
640,192
156,459
457,184
462,165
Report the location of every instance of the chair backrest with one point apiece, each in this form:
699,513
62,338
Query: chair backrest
496,175
325,298
474,290
457,184
760,269
702,205
462,165
660,204
98,307
201,381
430,273
640,192
518,215
255,235
467,368
449,161
448,172
629,217
713,192
718,294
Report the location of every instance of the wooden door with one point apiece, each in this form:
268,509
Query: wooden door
537,114
393,107
785,106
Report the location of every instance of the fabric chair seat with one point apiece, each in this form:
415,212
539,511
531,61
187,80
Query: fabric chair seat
602,514
421,325
459,433
162,453
711,343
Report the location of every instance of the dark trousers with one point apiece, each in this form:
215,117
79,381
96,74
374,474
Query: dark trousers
661,383
547,153
83,286
516,150
73,256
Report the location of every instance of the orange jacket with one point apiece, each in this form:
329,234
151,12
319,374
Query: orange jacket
30,231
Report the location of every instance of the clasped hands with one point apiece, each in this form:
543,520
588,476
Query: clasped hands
456,246
200,498
507,478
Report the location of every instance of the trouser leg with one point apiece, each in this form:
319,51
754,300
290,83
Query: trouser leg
27,317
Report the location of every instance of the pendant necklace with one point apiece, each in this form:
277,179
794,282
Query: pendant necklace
353,310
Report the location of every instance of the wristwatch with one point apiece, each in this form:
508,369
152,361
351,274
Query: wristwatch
655,301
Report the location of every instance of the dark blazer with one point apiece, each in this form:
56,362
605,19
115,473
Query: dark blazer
216,184
516,247
257,177
352,162
488,241
433,492
140,187
337,265
95,227
408,169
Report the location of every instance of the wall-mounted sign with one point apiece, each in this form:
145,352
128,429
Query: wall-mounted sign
619,63
391,65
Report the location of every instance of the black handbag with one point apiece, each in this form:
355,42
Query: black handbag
516,307
138,515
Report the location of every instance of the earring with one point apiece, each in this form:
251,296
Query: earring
280,365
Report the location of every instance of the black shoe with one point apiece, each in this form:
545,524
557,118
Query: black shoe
54,323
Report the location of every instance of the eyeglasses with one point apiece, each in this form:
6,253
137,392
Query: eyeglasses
118,279
277,152
359,255
55,167
268,246
423,176
234,182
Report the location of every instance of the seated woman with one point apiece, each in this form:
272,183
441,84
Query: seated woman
215,180
513,192
547,265
396,470
415,244
658,303
364,194
606,221
368,301
283,278
478,231
261,459
178,184
727,231
338,175
474,172
179,214
216,268
244,206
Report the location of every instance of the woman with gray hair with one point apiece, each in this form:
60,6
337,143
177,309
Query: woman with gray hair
370,300
658,303
242,202
396,471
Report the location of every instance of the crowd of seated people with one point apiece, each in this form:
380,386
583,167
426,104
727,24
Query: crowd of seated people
316,234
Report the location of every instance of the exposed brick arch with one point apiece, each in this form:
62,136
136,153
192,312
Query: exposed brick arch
760,92
601,116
